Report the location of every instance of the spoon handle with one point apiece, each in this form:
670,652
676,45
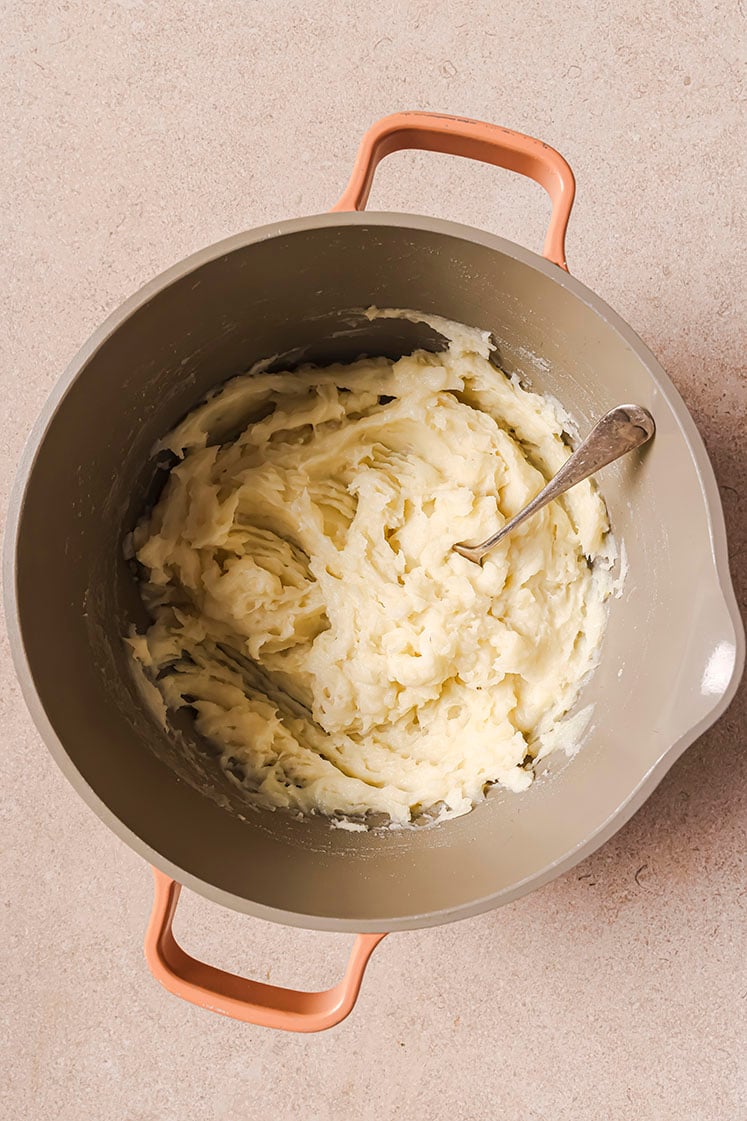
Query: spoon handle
619,431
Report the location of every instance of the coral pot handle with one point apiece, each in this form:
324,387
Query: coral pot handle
241,999
459,136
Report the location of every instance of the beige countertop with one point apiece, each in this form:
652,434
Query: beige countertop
139,131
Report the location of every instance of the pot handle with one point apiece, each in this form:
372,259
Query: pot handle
253,1002
459,136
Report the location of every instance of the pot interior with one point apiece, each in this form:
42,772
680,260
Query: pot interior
299,293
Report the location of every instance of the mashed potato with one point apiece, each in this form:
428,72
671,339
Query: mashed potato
309,609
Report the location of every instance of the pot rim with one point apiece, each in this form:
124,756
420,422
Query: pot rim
693,440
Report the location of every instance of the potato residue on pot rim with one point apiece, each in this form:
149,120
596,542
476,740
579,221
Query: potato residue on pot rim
309,610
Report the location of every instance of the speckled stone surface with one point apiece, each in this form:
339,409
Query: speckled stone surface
136,132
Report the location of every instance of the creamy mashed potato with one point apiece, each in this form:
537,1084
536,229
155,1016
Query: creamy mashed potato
309,609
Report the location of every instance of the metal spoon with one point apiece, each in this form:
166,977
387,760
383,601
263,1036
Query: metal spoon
619,431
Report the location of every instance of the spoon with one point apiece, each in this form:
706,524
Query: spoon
619,431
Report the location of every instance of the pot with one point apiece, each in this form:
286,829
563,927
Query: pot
672,655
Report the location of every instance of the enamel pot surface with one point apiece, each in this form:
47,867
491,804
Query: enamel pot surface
671,658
